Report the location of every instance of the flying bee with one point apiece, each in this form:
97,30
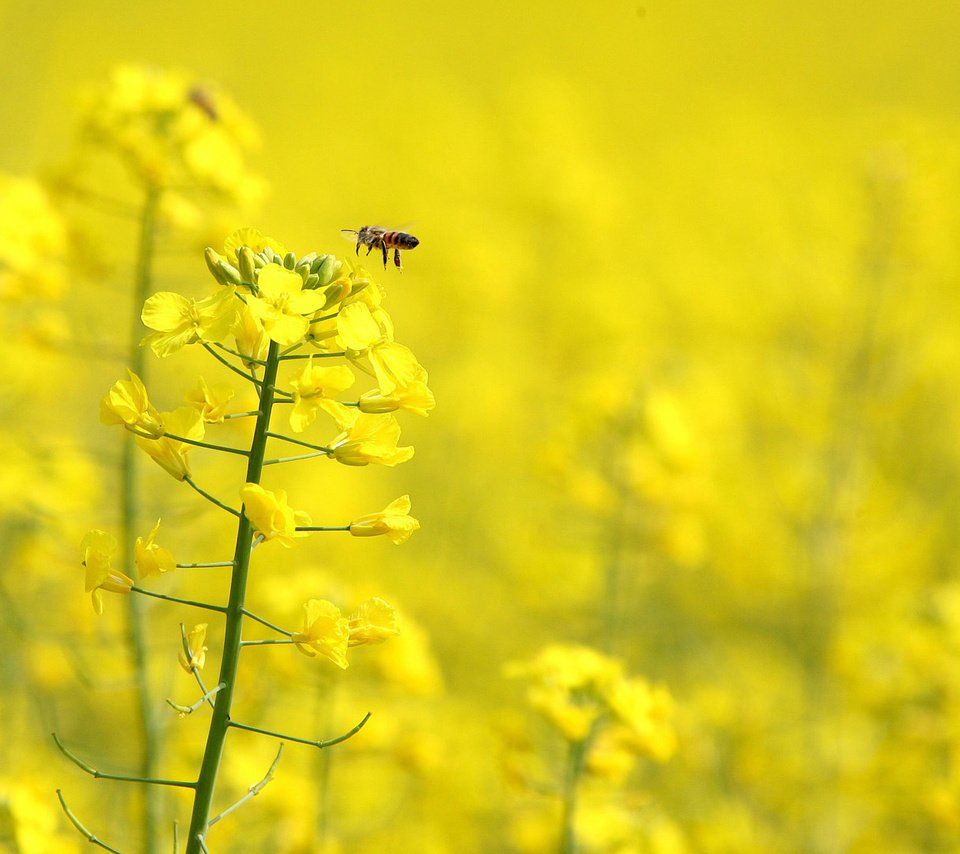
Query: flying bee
375,237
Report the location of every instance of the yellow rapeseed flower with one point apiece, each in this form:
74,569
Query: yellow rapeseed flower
416,398
98,549
394,521
281,304
150,558
127,403
178,320
171,454
325,631
198,652
211,403
370,439
271,515
312,390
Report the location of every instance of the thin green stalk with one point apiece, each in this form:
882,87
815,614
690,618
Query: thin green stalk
220,719
576,756
129,505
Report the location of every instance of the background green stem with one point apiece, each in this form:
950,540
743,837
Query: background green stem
220,721
575,759
129,506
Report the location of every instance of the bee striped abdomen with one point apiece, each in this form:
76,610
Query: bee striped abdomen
400,240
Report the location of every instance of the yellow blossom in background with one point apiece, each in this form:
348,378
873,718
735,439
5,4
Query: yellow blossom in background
647,714
370,439
270,514
281,304
33,242
416,398
169,453
211,403
373,622
150,558
312,389
325,631
127,403
178,320
172,130
394,521
198,652
98,549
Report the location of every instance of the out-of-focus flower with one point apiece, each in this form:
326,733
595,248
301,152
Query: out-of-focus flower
33,242
172,131
374,621
394,521
150,558
98,549
271,515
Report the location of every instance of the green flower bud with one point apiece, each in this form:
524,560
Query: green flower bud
231,275
289,260
335,293
311,282
306,261
327,269
213,264
247,266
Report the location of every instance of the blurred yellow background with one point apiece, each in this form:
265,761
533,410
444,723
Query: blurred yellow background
687,293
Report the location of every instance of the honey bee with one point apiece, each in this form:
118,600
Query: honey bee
375,237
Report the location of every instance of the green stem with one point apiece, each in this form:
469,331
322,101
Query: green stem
220,719
326,742
293,441
266,623
205,605
129,504
320,528
189,480
224,448
576,756
226,364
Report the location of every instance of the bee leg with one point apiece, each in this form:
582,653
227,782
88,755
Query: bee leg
396,259
358,247
369,247
383,246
